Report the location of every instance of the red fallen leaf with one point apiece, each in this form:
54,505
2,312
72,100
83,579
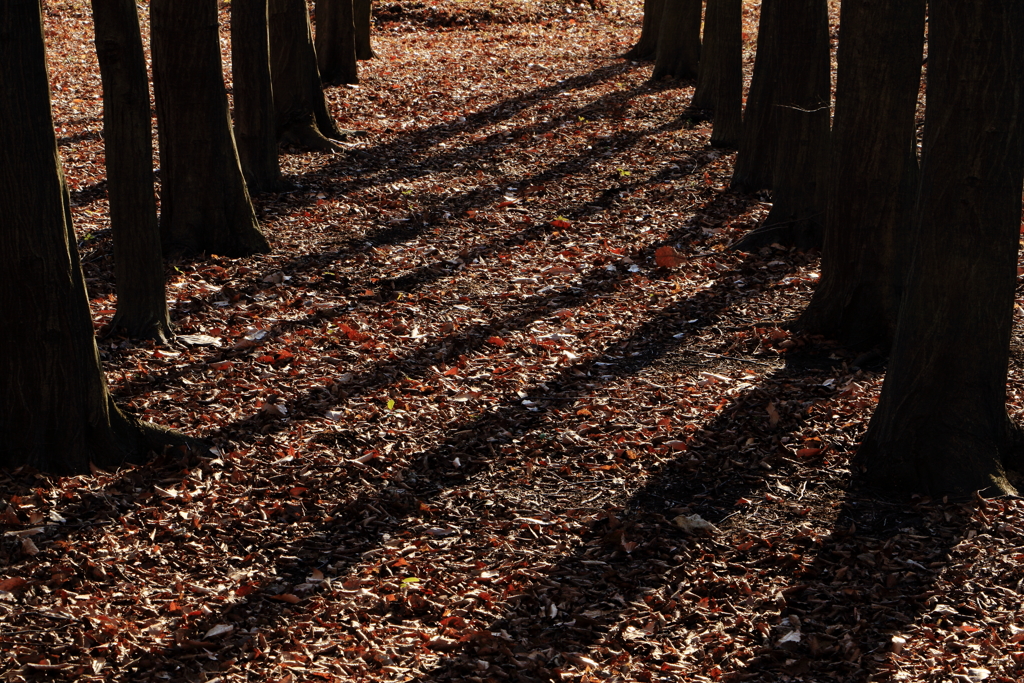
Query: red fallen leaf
352,333
12,583
502,205
246,589
454,370
675,445
743,501
222,365
497,341
290,598
560,223
265,359
808,452
667,257
297,491
401,562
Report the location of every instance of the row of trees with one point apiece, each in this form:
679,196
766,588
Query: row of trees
919,251
57,414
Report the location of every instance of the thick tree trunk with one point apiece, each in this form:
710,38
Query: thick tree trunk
128,147
205,206
941,422
56,413
802,98
873,173
704,93
299,105
647,46
678,51
728,57
335,42
364,22
756,156
255,132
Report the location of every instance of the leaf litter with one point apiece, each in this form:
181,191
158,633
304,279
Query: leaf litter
500,405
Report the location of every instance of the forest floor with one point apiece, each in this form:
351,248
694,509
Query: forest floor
467,427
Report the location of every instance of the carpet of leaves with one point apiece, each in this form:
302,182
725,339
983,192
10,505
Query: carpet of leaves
469,423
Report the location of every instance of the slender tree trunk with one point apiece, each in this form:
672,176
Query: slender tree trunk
802,98
255,132
756,156
678,40
56,413
647,46
205,206
364,22
335,42
705,92
941,422
873,173
729,73
128,147
299,105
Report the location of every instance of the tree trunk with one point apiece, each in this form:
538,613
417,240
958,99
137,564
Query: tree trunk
802,98
941,422
704,93
728,56
647,47
205,206
57,414
364,22
678,40
128,147
335,42
299,105
756,156
873,173
255,132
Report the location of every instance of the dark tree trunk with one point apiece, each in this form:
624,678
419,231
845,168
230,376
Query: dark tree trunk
364,21
873,173
57,414
335,42
728,57
205,206
647,46
678,40
255,132
802,98
299,105
941,422
704,93
756,156
128,147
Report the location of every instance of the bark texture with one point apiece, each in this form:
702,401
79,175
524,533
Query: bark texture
205,206
941,424
56,415
704,93
678,50
127,139
299,105
756,156
255,132
801,104
647,46
335,42
364,22
727,58
873,173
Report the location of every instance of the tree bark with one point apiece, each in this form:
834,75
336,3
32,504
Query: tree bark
205,206
728,56
56,412
335,42
647,46
873,173
255,132
704,93
756,156
678,50
364,22
299,105
941,423
127,139
802,98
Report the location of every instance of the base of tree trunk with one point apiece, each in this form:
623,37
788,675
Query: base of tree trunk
155,327
802,234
